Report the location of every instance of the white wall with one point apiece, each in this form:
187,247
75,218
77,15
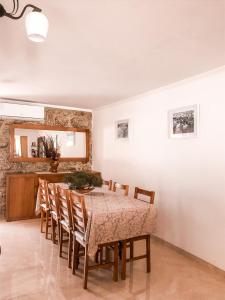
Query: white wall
188,175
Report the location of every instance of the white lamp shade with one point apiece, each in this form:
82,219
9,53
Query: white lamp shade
36,26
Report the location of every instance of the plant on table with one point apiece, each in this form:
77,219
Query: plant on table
83,181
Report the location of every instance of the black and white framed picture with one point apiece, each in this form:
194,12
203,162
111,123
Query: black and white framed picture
122,129
183,122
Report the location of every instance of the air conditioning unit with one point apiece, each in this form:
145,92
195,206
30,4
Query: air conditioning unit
21,111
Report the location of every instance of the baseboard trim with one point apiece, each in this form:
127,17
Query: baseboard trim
197,259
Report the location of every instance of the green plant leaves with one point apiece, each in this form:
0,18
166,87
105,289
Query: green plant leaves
79,180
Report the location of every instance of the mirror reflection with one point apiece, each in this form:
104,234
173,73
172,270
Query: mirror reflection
30,143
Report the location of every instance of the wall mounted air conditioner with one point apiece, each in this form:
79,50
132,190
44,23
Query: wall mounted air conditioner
21,111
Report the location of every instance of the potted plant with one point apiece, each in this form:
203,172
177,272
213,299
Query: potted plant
83,182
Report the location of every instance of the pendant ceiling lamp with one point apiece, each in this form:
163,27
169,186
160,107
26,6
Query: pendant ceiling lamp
36,23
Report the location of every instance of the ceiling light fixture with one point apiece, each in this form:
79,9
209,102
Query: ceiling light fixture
36,22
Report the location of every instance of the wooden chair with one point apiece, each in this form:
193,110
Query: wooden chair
65,221
148,194
44,205
54,210
124,187
80,219
108,183
130,242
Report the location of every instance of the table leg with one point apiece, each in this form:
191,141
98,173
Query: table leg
124,260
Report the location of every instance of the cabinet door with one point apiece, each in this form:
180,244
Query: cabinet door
20,197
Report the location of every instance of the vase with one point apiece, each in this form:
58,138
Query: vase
54,166
84,191
81,190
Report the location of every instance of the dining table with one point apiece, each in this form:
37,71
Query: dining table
115,217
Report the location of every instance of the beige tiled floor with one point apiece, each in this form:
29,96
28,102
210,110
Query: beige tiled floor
31,270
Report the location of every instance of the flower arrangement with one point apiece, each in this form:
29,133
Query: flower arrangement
83,181
49,147
50,151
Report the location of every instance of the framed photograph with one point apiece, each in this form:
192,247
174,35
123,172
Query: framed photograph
183,122
122,129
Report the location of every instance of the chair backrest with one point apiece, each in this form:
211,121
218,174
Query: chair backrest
150,194
53,198
79,213
124,187
108,183
43,192
64,206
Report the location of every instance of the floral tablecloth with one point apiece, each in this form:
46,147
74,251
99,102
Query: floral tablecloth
114,217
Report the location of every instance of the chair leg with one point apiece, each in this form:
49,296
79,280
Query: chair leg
86,267
78,256
70,249
123,267
60,240
148,245
58,229
116,258
96,256
75,255
46,224
131,250
53,230
101,255
42,220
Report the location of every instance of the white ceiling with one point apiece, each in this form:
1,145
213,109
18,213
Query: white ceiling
101,51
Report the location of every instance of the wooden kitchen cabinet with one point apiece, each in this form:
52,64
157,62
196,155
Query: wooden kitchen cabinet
21,192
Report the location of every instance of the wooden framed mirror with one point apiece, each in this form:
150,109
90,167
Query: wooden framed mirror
26,142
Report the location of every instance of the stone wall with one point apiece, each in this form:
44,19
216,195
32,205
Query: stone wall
53,116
